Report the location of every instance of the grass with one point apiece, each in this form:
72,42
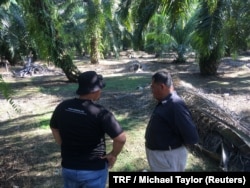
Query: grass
126,83
29,157
133,156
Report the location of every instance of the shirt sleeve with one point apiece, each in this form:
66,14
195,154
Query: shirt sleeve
185,125
53,122
110,125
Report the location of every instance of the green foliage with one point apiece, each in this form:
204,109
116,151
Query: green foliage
177,10
208,38
208,31
40,25
157,38
13,36
141,16
94,19
161,38
54,28
6,92
237,26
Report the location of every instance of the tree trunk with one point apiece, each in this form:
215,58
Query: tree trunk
54,47
68,67
94,54
208,64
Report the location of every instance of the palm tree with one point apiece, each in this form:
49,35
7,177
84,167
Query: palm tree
94,22
208,39
95,25
92,25
157,37
45,30
13,35
143,10
177,39
237,26
102,28
181,35
89,20
10,43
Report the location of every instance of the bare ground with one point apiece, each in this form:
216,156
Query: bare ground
22,153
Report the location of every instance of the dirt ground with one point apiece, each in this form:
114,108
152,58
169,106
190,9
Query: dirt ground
230,89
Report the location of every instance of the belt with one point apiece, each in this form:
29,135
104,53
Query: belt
172,147
169,148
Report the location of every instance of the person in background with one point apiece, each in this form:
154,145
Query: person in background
5,63
79,126
170,128
30,58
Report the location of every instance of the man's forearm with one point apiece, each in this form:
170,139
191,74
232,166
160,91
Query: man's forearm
118,144
56,136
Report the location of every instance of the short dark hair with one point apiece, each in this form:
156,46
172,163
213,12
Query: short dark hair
163,77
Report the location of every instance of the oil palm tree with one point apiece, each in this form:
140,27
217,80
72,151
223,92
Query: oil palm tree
208,39
181,34
175,39
13,35
89,17
143,10
237,27
44,28
102,28
11,27
157,37
151,30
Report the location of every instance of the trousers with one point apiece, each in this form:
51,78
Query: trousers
167,161
84,178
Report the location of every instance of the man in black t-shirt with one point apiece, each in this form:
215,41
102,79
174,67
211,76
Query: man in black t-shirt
79,126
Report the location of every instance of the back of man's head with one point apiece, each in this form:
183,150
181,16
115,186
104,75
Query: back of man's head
163,77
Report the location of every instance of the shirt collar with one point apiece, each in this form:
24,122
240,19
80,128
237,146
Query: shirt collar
165,100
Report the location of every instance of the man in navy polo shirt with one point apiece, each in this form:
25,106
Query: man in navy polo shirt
170,127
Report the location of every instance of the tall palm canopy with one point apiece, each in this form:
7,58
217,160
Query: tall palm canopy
58,29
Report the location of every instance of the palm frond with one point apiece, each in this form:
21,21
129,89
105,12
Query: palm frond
124,7
177,10
209,27
142,15
6,92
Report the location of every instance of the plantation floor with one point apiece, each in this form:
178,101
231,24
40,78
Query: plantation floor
29,157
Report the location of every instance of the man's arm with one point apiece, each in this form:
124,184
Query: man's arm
56,136
118,143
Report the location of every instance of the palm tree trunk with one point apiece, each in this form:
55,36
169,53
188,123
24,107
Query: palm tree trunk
53,47
71,71
209,64
94,54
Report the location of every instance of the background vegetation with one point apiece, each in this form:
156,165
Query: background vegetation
56,30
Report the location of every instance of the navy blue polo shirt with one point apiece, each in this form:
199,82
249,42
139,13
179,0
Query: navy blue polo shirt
82,125
170,124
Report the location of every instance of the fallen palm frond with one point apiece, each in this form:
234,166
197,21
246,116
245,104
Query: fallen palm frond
222,136
6,92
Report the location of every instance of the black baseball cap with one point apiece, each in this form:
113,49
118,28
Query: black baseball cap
89,82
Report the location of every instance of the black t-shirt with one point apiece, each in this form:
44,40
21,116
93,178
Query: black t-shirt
170,125
83,125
